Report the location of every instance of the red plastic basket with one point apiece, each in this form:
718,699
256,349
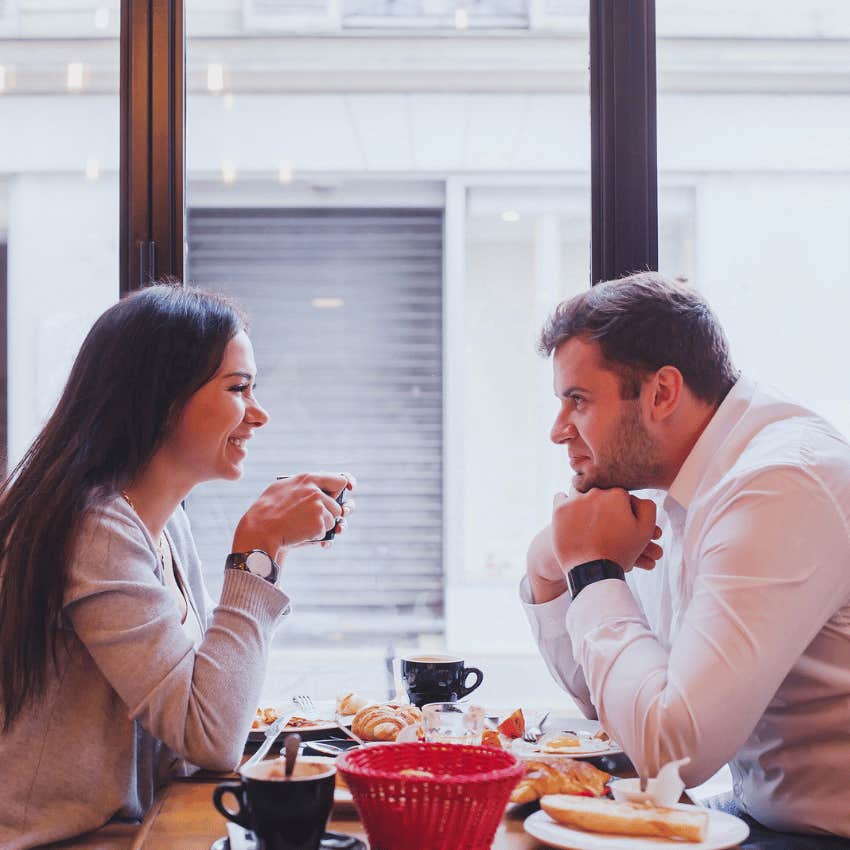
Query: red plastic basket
457,806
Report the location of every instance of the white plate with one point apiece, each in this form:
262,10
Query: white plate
324,711
588,749
723,831
585,730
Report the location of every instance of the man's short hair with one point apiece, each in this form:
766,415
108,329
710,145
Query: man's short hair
643,322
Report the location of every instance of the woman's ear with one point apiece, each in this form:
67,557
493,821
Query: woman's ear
665,393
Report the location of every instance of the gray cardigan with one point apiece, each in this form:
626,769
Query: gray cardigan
132,701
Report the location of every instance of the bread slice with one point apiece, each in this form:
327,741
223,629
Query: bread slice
600,815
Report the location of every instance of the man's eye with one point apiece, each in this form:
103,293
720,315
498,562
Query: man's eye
576,399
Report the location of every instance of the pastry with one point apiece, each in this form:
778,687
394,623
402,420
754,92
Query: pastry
566,776
350,703
384,722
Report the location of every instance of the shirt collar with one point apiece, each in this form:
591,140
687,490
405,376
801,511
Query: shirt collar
691,472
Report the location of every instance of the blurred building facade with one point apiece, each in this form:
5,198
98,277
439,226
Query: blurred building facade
475,117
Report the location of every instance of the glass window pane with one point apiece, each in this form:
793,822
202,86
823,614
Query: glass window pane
398,193
754,118
59,72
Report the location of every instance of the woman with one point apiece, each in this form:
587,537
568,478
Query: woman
116,671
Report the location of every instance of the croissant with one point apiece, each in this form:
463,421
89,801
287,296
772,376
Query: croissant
384,722
567,776
351,703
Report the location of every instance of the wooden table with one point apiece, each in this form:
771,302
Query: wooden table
184,819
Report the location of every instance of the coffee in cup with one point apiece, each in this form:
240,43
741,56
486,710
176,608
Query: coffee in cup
285,813
437,678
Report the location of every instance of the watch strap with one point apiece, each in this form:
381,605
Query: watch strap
581,576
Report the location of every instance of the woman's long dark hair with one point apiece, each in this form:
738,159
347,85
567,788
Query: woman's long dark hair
137,368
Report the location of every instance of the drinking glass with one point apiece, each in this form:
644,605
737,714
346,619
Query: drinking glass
452,723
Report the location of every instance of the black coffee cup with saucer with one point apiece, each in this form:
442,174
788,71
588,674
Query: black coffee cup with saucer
438,678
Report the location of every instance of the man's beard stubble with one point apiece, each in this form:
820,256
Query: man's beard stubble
630,462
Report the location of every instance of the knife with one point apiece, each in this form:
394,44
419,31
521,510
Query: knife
271,736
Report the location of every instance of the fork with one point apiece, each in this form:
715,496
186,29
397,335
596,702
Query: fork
535,733
306,704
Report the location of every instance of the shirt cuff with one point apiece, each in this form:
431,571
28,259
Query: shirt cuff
546,618
606,600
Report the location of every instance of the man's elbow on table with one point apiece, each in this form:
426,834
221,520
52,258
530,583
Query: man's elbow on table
702,766
668,732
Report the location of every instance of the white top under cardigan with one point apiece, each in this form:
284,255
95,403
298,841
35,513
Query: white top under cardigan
133,700
736,648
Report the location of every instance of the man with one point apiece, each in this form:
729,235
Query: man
733,643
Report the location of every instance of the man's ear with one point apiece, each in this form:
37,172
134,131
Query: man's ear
664,394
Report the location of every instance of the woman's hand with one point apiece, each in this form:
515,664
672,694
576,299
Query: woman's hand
295,511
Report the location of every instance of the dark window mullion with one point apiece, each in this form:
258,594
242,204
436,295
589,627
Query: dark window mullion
152,128
624,181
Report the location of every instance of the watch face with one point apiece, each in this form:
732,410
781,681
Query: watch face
259,563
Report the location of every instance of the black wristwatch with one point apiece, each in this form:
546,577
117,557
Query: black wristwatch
257,562
581,576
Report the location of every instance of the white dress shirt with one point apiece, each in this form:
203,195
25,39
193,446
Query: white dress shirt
736,647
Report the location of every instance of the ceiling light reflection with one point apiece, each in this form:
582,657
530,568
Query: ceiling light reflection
75,76
510,215
92,170
326,302
228,171
215,77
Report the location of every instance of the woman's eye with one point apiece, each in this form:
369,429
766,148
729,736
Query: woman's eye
240,388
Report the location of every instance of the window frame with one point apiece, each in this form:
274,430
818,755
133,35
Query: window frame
624,176
624,180
153,126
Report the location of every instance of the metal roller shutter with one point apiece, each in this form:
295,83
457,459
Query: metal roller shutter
357,387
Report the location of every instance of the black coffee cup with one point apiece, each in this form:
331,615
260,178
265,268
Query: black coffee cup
437,678
284,814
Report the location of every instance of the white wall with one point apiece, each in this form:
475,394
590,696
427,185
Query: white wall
63,272
765,231
779,280
769,226
421,133
767,133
